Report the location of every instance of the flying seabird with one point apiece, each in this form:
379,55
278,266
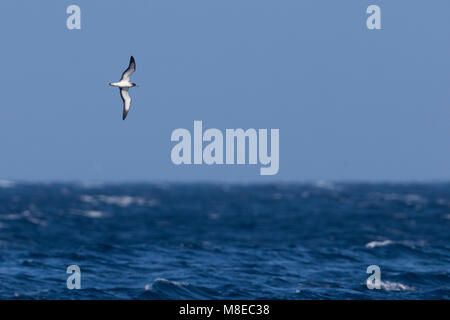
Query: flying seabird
124,84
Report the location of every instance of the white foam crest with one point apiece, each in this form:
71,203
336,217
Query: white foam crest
11,216
409,199
395,286
374,244
37,221
33,218
149,287
6,184
89,199
322,184
121,201
94,214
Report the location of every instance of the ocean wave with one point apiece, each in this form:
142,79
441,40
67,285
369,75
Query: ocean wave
161,281
404,243
6,184
409,199
11,216
93,214
201,242
395,286
374,244
32,217
162,288
322,184
121,201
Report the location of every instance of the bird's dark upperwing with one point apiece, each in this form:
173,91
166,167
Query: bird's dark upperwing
131,68
126,101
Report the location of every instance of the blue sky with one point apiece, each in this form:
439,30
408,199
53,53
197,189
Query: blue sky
351,104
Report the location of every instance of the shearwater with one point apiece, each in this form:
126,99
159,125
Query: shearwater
124,84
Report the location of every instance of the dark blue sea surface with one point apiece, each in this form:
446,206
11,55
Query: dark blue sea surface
213,241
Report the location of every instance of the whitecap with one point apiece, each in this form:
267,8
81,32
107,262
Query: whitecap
89,199
322,184
150,286
409,199
374,244
11,216
395,286
37,221
121,201
414,199
6,184
94,214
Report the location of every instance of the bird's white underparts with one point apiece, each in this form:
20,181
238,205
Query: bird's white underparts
124,84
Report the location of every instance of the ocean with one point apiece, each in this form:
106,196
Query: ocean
224,241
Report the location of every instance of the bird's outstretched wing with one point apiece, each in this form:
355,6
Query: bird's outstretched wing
131,68
126,101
